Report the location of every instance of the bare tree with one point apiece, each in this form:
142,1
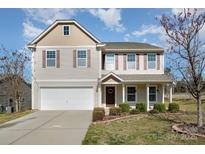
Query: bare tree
12,69
187,50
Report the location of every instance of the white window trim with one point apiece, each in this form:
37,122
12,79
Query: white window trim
86,59
148,61
135,93
156,93
134,62
106,61
55,58
63,30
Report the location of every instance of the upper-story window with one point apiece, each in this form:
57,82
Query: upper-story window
131,61
82,58
110,61
66,30
151,60
51,58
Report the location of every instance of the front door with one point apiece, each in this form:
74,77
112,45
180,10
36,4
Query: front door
110,95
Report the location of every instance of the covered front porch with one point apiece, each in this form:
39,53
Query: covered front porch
114,90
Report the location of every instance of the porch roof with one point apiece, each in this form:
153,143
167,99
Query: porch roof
141,78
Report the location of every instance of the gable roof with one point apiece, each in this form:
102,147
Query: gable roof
110,75
72,21
122,46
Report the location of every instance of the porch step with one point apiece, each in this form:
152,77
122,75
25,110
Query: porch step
107,111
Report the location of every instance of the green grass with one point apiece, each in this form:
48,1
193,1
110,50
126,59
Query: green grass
146,128
11,116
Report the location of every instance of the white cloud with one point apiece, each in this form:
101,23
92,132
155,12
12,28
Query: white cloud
30,31
127,37
148,29
110,17
146,33
47,16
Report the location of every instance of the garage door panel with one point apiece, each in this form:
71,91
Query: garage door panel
67,98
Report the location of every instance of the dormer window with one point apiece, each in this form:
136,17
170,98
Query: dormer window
66,30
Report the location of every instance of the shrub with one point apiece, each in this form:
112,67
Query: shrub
115,111
134,111
173,107
153,111
142,107
159,107
98,113
99,109
124,107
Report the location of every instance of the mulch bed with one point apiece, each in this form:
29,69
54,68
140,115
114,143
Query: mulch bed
190,129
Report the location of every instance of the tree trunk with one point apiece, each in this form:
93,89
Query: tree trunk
17,106
199,113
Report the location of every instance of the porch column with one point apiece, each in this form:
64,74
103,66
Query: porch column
170,94
99,96
147,87
163,93
123,93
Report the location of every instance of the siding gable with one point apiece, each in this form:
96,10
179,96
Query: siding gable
56,38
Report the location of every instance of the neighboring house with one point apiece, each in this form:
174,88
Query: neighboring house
6,98
73,70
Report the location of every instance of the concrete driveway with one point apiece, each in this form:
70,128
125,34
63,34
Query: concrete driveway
47,127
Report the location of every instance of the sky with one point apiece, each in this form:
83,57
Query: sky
20,26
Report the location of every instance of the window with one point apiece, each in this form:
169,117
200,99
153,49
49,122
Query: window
51,58
131,94
152,94
151,61
66,30
131,61
110,61
82,58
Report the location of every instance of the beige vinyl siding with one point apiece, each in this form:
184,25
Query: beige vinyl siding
119,94
66,70
55,37
141,93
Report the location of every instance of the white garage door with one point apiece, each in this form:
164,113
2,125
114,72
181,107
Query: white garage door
67,98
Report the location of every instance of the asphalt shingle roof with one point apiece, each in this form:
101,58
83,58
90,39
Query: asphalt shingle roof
130,45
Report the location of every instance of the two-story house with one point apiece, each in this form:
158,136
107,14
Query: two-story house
73,70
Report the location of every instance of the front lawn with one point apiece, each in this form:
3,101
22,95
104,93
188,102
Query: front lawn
146,128
11,116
